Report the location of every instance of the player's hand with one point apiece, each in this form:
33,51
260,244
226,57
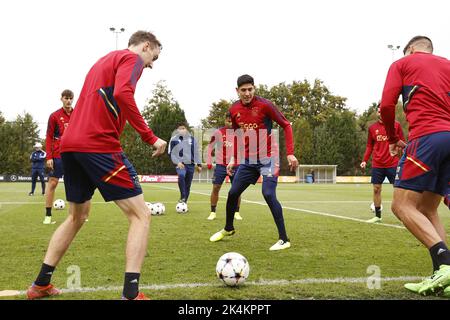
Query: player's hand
363,165
160,146
209,165
50,164
180,165
230,169
293,162
396,149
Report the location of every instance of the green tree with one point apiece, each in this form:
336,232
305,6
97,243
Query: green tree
217,114
16,142
314,102
303,141
337,142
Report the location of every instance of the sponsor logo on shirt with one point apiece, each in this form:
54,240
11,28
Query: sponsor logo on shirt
248,126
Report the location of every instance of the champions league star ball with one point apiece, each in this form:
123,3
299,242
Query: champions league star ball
156,208
181,207
232,269
59,204
372,207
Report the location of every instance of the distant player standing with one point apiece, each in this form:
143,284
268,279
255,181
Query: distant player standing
93,158
253,117
423,174
57,124
184,153
223,147
383,164
37,159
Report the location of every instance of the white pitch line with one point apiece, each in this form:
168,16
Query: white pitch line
93,202
304,210
196,201
280,282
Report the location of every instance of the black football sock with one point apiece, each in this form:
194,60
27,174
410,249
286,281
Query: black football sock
435,263
213,208
131,285
48,212
45,275
269,193
232,202
237,209
440,255
378,212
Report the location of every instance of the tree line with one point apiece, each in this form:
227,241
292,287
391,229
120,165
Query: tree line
325,130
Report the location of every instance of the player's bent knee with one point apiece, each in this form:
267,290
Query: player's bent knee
52,184
377,189
78,219
399,209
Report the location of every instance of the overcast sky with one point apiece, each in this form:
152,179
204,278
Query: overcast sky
48,46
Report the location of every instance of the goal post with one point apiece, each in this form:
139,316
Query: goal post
316,173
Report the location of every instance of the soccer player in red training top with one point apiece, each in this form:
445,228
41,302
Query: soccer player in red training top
223,147
93,158
423,172
252,118
57,124
383,164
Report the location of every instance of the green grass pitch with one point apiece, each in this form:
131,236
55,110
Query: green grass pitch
334,254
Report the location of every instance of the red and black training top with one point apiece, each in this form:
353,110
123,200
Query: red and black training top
423,79
105,104
378,146
57,124
259,115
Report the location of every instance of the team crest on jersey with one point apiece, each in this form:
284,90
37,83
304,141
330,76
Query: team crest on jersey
377,131
238,116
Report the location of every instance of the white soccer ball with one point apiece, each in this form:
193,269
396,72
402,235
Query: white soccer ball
372,207
232,269
150,206
59,204
181,207
158,209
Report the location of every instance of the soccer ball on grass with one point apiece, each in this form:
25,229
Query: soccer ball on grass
156,209
232,269
59,204
181,207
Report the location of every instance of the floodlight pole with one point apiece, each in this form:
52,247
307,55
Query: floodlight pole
393,49
113,30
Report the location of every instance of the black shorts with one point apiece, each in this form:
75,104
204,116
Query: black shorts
111,173
58,170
